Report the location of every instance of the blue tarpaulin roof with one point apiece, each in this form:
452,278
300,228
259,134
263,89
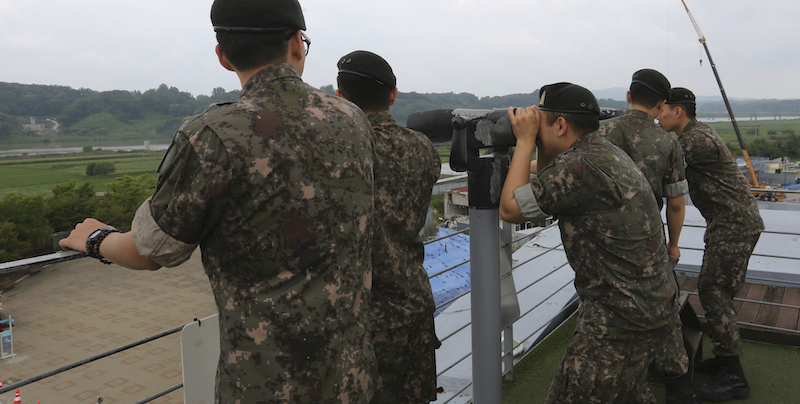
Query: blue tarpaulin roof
444,254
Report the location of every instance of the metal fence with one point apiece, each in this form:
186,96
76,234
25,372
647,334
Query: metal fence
507,353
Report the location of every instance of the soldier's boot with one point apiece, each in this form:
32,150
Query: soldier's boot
676,391
728,383
708,366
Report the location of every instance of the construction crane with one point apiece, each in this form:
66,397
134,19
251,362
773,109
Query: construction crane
764,195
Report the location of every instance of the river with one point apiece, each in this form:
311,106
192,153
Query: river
749,118
33,149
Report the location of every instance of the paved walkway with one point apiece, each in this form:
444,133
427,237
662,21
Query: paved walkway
80,308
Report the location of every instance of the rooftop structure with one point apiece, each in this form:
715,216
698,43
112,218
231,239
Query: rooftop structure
73,310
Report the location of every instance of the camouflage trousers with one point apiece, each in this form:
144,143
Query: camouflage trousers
721,276
610,368
406,359
673,361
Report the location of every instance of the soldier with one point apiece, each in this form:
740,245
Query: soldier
658,155
406,168
733,225
613,238
277,190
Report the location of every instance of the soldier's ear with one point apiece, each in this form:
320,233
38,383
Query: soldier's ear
223,60
393,96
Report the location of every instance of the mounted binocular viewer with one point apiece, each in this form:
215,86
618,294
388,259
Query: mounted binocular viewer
472,130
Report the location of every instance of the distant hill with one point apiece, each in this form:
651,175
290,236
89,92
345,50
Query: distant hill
91,113
160,111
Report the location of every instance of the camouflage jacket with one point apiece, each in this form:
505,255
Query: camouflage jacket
277,189
655,152
717,186
612,235
406,168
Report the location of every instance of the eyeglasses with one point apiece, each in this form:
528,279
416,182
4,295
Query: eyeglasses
306,40
303,37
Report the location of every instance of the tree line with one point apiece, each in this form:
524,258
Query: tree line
27,222
170,105
69,106
776,147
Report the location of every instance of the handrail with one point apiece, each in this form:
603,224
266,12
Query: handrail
448,269
747,277
566,307
766,327
776,190
446,236
47,259
443,304
534,234
549,249
87,360
697,226
752,255
754,301
161,394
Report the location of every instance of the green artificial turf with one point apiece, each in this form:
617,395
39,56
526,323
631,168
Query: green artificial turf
772,371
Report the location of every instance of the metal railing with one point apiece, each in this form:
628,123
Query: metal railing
64,256
90,359
510,352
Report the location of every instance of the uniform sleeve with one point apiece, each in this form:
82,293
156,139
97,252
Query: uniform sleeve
527,204
193,188
675,182
570,184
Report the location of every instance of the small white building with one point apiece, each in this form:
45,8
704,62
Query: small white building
33,126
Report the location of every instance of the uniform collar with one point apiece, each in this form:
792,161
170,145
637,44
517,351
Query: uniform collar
268,74
381,117
690,125
582,140
637,114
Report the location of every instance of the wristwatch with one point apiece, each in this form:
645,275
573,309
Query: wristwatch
93,243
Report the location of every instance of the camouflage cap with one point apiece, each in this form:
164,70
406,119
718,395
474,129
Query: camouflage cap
653,80
568,98
256,16
680,95
369,65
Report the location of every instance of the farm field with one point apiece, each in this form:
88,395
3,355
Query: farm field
725,129
37,175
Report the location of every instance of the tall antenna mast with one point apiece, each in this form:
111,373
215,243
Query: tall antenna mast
724,97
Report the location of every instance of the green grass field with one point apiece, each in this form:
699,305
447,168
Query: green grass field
37,175
771,371
726,132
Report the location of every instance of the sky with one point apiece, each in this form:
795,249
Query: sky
487,48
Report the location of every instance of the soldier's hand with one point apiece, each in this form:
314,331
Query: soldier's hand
77,237
525,123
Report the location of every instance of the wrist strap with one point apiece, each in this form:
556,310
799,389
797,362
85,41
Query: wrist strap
93,243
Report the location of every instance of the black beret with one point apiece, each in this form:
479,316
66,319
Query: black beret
368,65
654,81
256,16
567,98
680,95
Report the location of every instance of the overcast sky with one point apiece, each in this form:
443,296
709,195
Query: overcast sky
488,48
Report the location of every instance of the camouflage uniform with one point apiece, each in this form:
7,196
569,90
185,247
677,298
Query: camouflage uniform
658,156
406,168
277,189
655,152
614,241
722,194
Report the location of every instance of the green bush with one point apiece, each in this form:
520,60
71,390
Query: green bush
101,168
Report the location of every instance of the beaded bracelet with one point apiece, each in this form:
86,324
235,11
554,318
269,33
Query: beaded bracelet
93,243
